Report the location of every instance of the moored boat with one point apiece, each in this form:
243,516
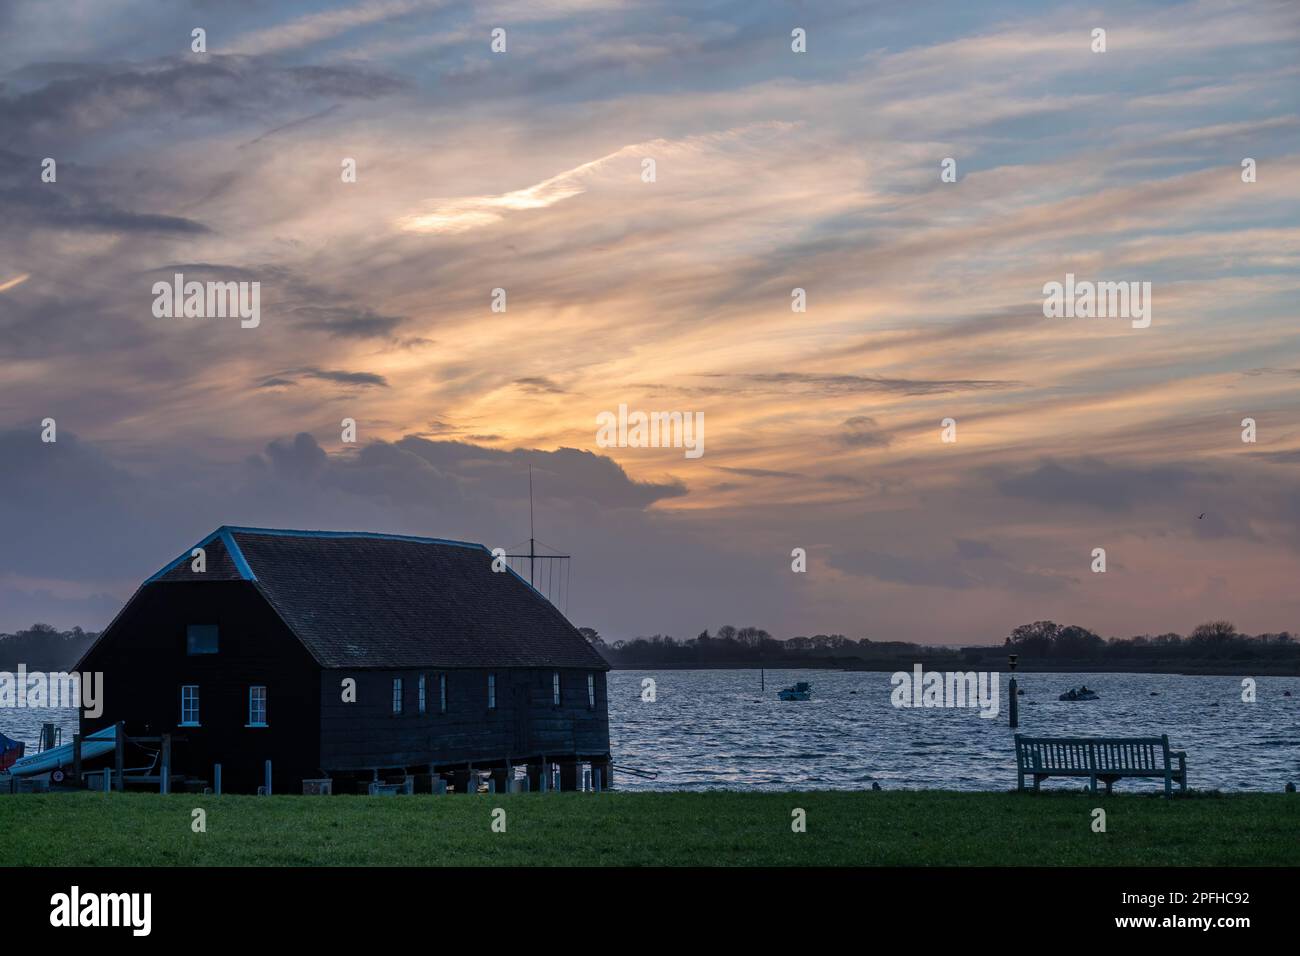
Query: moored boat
800,691
1081,694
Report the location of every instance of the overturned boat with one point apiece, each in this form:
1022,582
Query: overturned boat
93,745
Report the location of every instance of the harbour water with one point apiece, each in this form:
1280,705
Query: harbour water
715,729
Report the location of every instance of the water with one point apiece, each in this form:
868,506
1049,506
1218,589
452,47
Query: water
714,729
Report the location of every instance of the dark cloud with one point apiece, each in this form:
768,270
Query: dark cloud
863,432
362,379
343,322
197,88
760,472
1096,484
61,205
540,385
299,459
854,384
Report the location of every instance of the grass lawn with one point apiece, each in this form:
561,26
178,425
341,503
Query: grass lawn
931,828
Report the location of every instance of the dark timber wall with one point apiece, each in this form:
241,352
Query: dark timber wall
525,723
145,663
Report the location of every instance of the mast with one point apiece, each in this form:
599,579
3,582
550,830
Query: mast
532,544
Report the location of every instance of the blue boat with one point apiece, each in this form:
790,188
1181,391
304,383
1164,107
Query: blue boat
800,691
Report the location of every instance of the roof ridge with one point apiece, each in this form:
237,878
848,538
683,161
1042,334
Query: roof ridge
376,535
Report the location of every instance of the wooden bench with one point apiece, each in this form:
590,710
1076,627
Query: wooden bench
1100,758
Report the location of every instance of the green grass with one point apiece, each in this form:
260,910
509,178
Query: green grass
929,828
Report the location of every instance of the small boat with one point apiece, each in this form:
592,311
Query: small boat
10,750
93,745
1083,694
800,691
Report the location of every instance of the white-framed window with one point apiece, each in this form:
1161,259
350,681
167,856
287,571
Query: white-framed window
397,695
492,691
423,704
190,705
257,706
442,693
555,689
591,691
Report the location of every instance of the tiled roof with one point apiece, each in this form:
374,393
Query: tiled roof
357,599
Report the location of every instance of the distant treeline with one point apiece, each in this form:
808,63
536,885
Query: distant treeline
1035,644
42,648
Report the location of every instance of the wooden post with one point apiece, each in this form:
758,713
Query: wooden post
165,782
268,778
595,779
76,759
216,779
119,755
569,777
1013,707
108,779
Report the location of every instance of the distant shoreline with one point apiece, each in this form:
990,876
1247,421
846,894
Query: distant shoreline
1187,668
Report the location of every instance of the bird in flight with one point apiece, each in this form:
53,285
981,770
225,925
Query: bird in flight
1200,516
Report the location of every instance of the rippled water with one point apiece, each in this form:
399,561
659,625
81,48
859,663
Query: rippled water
714,729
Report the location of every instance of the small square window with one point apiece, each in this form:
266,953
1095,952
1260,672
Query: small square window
201,639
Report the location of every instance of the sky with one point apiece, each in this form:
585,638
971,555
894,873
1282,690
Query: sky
773,170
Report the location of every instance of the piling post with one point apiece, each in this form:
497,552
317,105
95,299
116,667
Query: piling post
119,755
216,779
108,780
1013,704
595,779
165,780
76,759
268,778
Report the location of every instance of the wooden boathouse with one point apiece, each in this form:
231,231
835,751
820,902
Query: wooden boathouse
357,657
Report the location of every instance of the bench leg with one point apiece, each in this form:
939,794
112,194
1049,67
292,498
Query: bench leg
1037,780
1109,785
1092,783
1169,785
1021,784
